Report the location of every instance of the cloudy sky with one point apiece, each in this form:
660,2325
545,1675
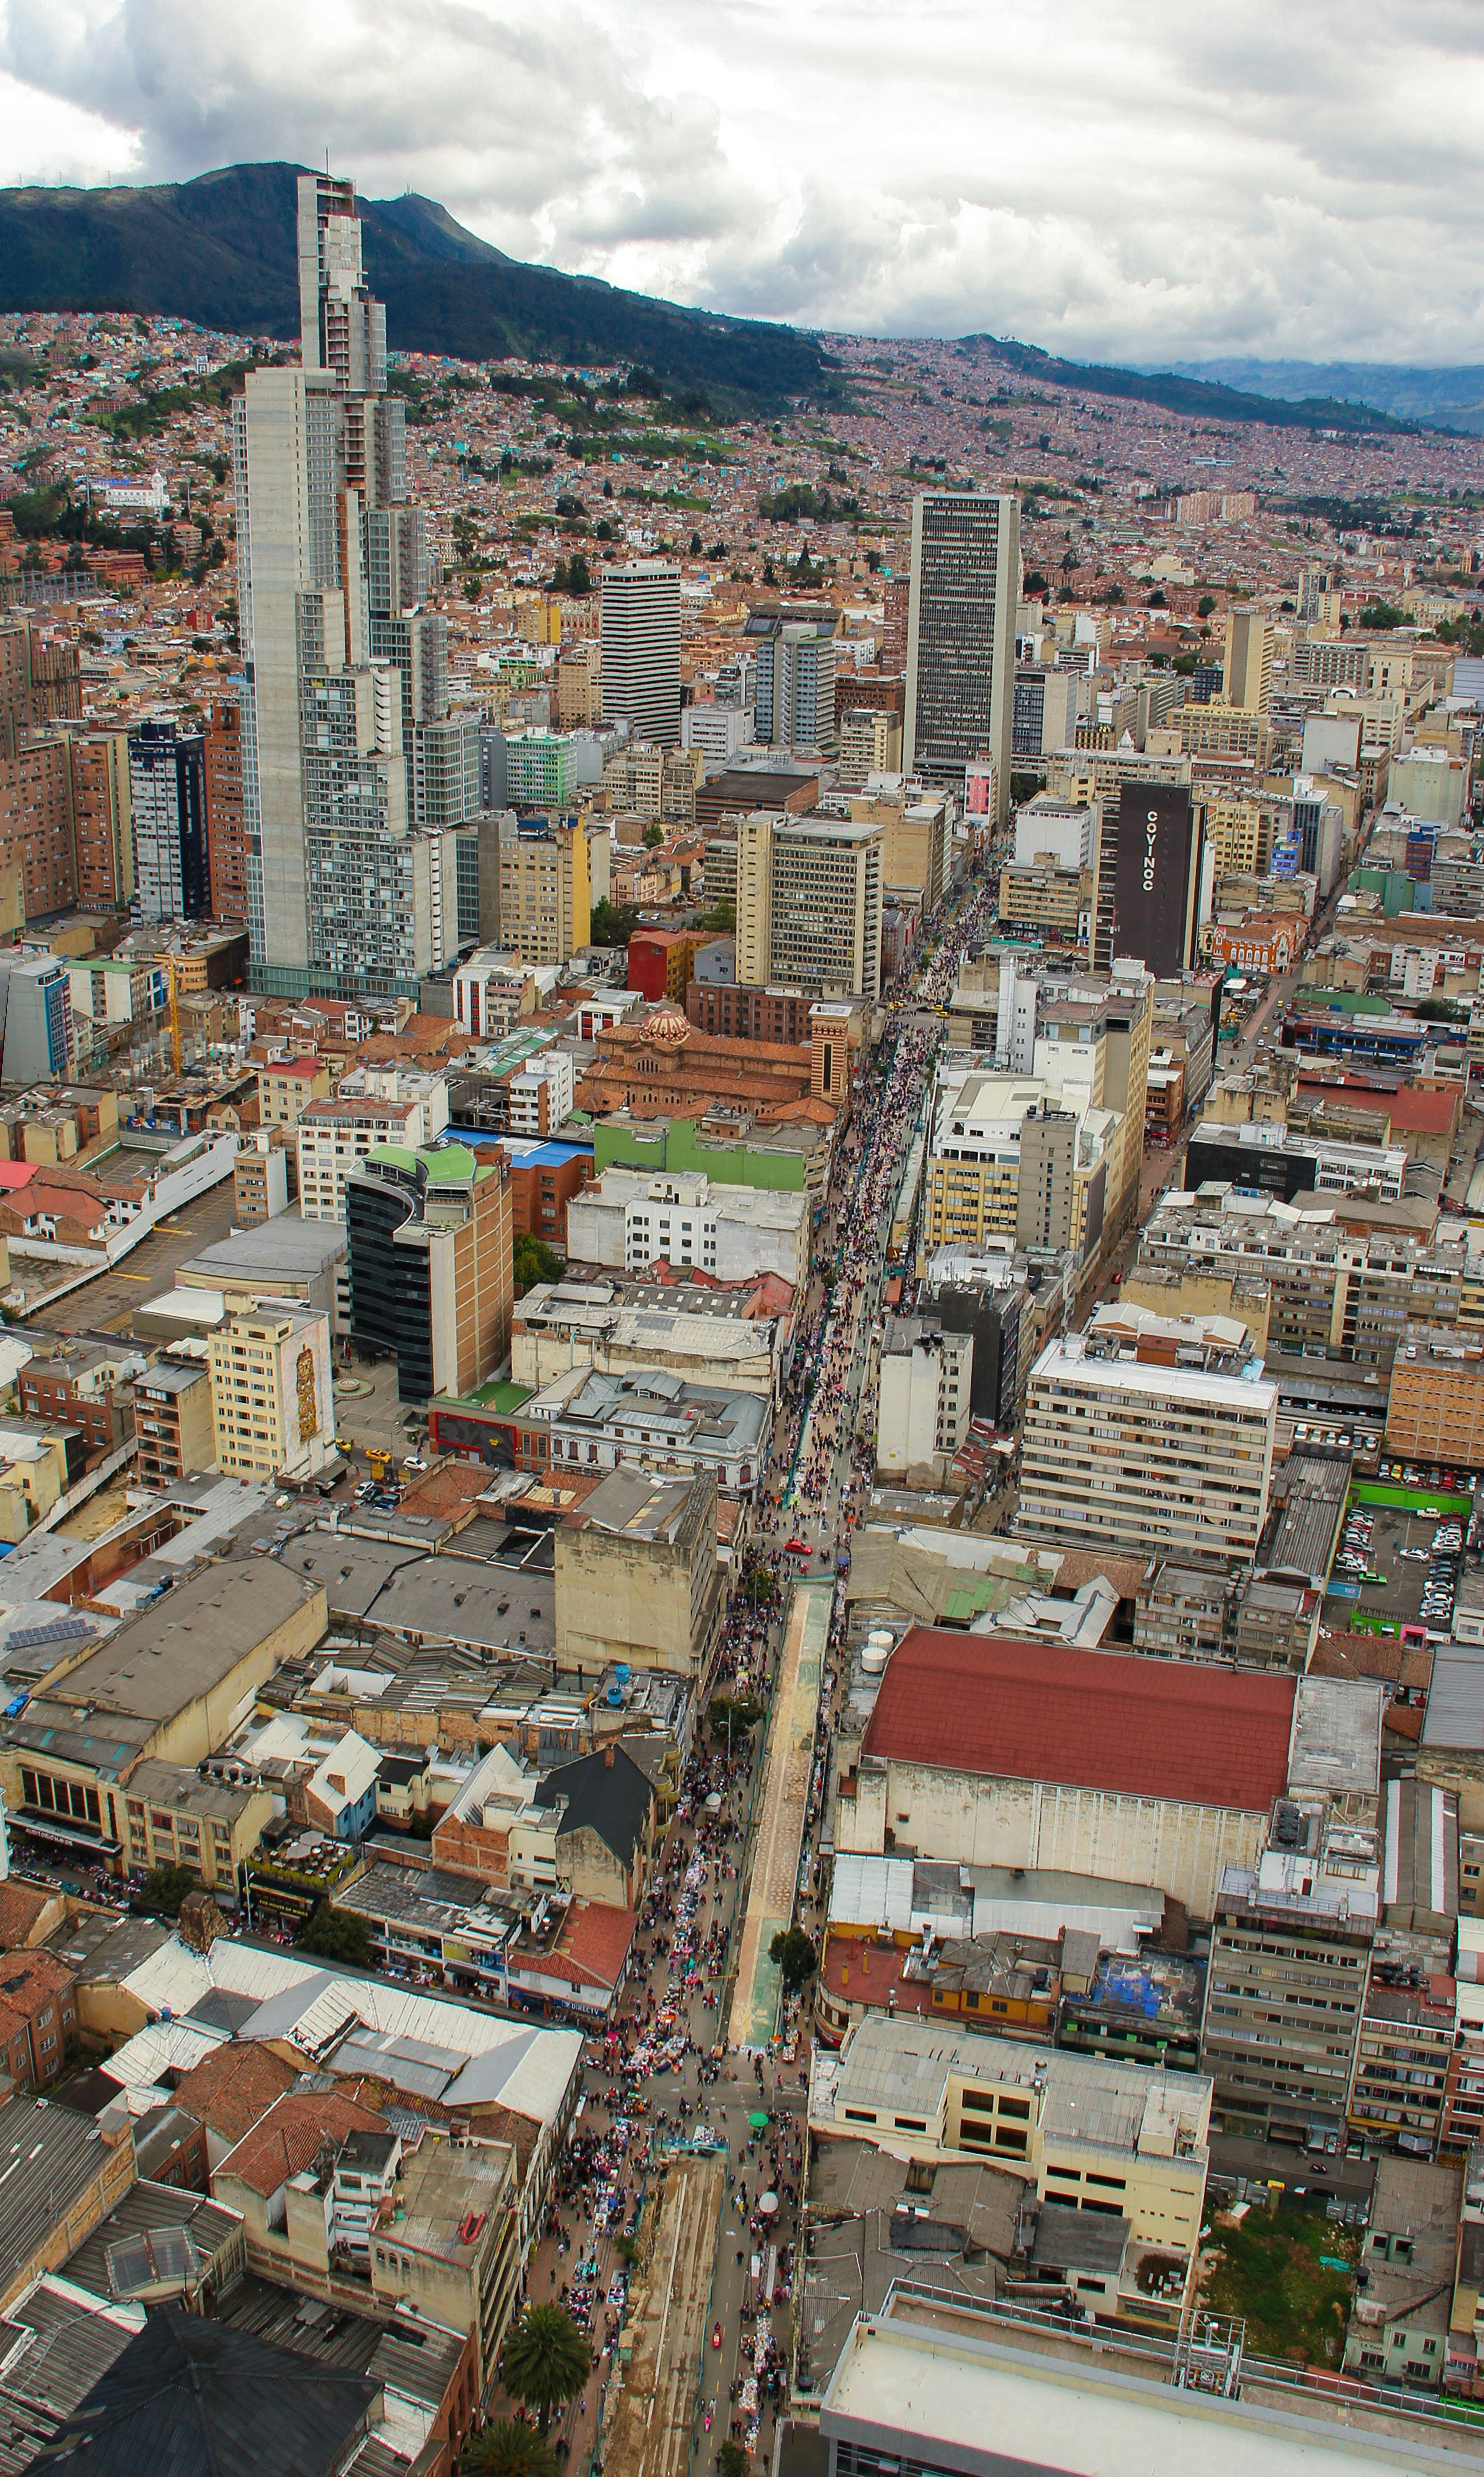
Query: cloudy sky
1145,178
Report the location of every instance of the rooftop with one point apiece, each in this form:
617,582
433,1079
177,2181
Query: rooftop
1102,1721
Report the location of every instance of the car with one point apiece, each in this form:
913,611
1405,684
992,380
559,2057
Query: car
798,1548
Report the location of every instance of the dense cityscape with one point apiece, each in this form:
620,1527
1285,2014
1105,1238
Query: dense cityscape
741,1475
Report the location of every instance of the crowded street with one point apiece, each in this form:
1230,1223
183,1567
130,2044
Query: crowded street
664,2077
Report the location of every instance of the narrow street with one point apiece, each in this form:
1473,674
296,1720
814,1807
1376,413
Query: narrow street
668,2074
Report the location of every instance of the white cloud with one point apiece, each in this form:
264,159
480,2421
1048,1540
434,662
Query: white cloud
1115,176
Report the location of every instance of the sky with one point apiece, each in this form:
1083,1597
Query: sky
1139,178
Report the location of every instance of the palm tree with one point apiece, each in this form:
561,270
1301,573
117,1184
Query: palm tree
546,2363
507,2449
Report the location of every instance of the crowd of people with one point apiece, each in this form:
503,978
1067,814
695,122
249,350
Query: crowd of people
670,2022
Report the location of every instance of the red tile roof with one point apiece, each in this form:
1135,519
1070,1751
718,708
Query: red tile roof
595,1941
285,2141
1092,1719
1412,1108
233,2088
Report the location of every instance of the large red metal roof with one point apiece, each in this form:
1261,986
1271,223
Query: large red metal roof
1091,1719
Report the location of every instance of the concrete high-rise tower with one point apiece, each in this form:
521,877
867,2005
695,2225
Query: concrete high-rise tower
343,667
639,631
964,585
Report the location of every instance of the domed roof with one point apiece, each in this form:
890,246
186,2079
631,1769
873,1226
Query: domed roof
668,1027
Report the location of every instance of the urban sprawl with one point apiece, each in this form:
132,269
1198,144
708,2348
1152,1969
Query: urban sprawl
741,1481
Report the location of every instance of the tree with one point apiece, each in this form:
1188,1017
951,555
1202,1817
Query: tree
535,1262
654,836
731,2460
609,926
794,1954
546,2361
1383,614
769,576
1205,606
696,545
727,1712
506,2448
165,1888
338,1934
579,575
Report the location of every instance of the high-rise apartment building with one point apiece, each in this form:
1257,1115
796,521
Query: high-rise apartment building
36,824
272,1403
545,890
1126,1455
752,893
167,809
639,634
343,666
1246,673
40,681
795,651
809,904
102,826
895,608
431,1268
226,826
965,584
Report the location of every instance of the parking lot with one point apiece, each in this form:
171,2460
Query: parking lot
107,1303
1417,1553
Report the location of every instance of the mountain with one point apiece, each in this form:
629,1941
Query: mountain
221,251
1450,398
1190,387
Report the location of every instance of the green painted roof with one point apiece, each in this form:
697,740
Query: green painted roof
501,1395
451,1164
400,1156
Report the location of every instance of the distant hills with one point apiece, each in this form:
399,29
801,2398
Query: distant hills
1449,399
1200,387
221,251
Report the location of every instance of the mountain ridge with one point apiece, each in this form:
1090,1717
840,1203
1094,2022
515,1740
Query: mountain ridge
220,250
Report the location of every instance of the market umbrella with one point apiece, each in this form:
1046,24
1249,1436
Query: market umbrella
758,2120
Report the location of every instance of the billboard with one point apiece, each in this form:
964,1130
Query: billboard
1156,880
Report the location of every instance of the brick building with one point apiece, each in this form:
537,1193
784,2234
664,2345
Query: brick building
729,1012
226,832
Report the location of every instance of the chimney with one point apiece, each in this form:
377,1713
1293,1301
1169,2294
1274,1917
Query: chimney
608,1756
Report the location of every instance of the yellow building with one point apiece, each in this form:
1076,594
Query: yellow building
579,689
1109,2138
546,893
1044,902
176,1819
1240,833
754,899
1246,672
272,1402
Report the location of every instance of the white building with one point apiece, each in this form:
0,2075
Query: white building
1135,1458
542,1093
924,1404
718,730
634,1219
334,1136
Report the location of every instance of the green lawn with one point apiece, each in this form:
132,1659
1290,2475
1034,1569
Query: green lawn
1269,2273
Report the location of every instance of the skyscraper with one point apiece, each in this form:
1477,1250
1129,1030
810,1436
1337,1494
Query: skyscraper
1246,674
795,676
639,631
964,584
343,666
167,805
